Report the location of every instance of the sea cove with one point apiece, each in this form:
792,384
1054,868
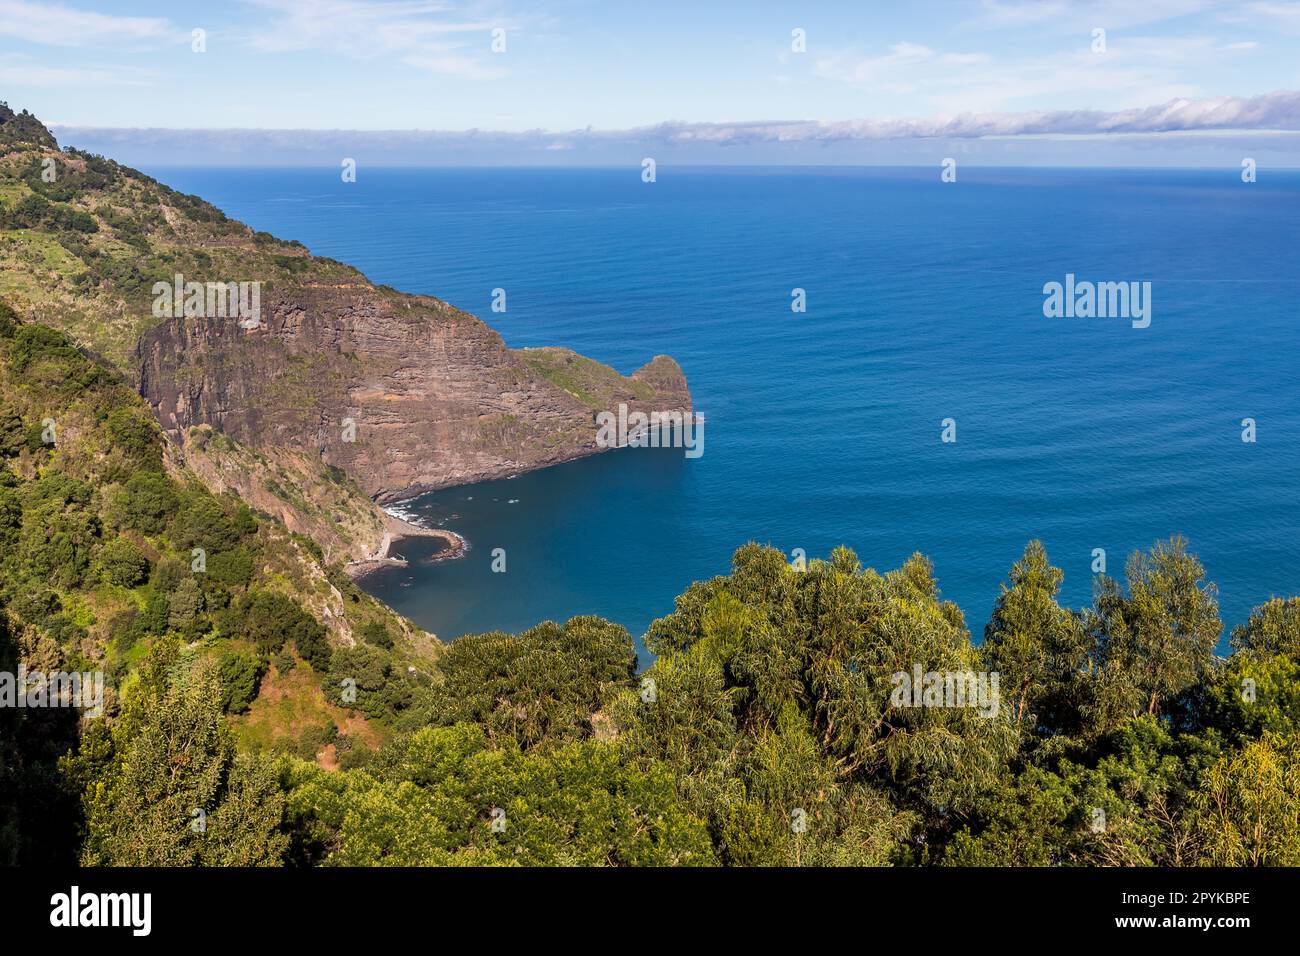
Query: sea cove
924,302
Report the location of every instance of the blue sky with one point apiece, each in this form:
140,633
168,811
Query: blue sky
570,65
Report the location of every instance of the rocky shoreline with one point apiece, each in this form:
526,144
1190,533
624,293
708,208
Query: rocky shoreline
398,529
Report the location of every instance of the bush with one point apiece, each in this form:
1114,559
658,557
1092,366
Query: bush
123,563
241,676
9,321
57,547
539,687
11,517
153,619
371,671
35,604
202,523
285,662
150,500
375,633
231,568
186,605
13,433
31,342
134,435
169,573
314,647
271,620
314,739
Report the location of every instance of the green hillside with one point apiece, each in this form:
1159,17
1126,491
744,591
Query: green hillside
767,732
114,558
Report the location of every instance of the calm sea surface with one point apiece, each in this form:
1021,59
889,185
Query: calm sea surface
924,302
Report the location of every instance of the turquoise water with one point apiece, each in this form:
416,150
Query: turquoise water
924,303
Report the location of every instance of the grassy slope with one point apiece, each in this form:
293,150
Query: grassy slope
104,435
595,385
85,251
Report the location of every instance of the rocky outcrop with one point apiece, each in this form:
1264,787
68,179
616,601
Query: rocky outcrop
404,393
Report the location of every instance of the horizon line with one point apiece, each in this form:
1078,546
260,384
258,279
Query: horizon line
614,167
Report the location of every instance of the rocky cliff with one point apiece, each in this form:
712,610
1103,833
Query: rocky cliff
403,393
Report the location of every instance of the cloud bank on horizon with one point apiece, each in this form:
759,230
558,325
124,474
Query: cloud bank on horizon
1270,122
159,82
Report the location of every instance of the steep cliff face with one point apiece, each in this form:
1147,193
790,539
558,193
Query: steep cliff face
404,393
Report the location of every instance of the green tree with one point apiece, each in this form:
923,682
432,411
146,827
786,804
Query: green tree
539,687
1273,628
1253,695
241,674
429,799
124,563
150,501
203,523
1248,810
232,568
185,605
269,620
369,669
1037,646
174,793
1156,642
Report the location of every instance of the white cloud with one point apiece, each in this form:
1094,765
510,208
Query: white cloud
1281,15
1287,11
1081,16
1010,15
56,25
424,34
1271,111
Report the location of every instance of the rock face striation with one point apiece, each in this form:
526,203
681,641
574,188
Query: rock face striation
404,393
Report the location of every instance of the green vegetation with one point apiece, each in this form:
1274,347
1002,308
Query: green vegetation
765,734
164,785
595,385
114,560
80,229
262,710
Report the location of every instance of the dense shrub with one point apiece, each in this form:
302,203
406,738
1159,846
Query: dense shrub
124,563
203,523
150,501
538,687
232,568
271,620
241,674
375,633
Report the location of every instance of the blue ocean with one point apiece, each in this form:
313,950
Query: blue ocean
924,302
